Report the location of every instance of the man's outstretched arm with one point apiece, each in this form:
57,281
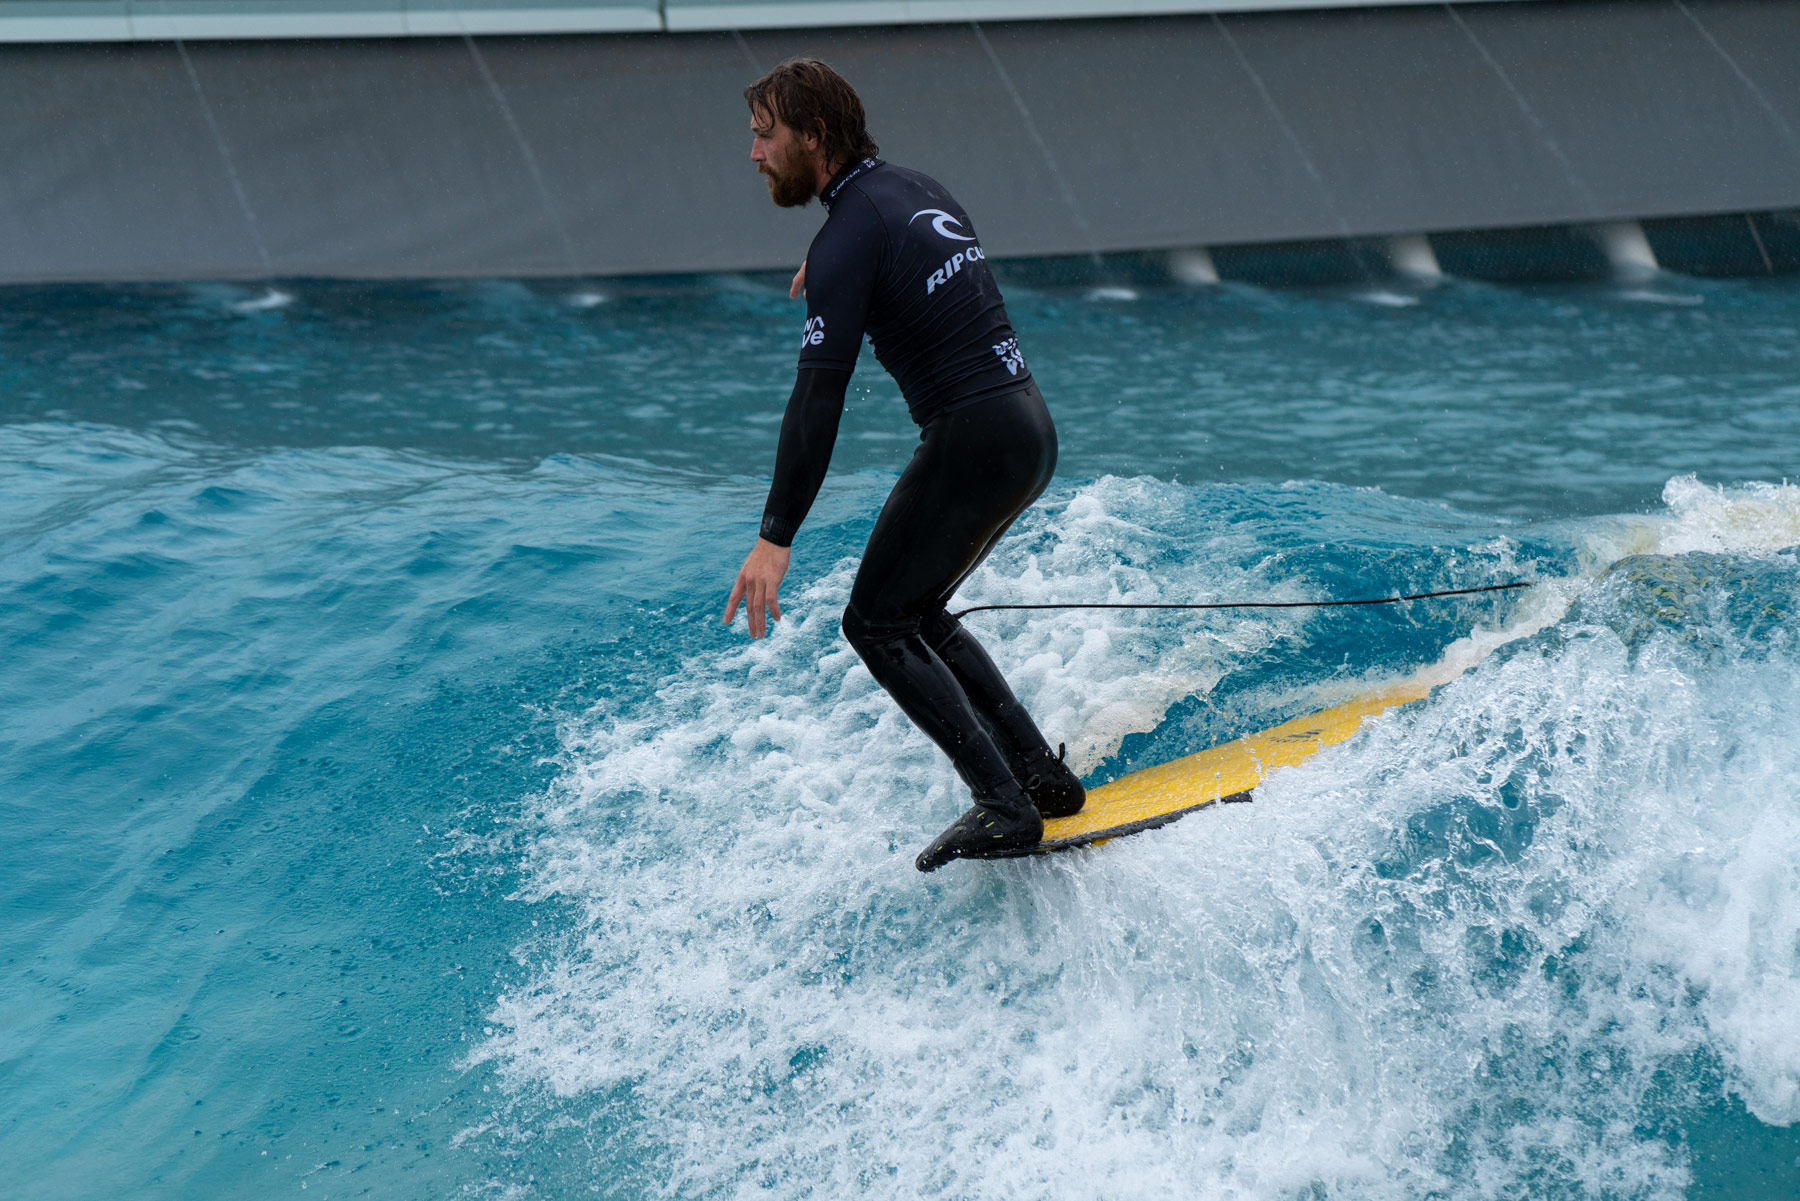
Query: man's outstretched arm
809,431
808,434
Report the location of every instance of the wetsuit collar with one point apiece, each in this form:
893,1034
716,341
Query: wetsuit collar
846,173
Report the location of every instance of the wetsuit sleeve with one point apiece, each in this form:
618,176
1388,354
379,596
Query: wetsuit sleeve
841,269
808,432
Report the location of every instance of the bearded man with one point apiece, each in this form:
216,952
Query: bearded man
897,258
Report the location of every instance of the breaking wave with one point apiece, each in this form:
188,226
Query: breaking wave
1496,944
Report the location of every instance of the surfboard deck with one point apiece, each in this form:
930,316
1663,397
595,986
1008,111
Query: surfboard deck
1221,775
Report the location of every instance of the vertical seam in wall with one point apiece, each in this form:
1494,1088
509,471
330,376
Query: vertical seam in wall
218,137
1756,236
525,152
748,56
1287,130
1743,77
1031,131
1530,115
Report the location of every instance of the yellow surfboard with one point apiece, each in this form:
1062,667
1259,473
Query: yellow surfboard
1156,796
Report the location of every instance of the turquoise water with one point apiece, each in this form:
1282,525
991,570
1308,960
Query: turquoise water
384,812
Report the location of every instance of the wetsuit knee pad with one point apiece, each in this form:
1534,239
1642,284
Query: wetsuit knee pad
866,637
853,627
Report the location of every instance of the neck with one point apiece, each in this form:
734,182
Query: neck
827,170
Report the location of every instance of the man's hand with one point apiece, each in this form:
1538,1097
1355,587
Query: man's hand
798,287
757,582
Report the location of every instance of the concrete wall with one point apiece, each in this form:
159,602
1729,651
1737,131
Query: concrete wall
201,20
617,154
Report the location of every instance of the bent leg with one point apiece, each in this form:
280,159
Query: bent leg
1047,780
988,692
929,693
975,471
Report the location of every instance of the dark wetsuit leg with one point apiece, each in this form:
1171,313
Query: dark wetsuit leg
976,469
988,692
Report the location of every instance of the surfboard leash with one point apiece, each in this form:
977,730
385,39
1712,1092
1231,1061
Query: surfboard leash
1322,604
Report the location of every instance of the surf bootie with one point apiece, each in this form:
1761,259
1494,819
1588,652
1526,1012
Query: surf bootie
1052,787
997,826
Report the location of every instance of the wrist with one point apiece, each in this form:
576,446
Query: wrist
778,532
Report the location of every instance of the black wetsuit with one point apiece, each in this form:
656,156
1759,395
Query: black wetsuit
897,258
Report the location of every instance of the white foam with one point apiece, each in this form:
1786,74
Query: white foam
270,299
1304,993
1751,517
1386,298
1653,296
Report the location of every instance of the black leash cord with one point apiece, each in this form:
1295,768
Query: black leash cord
1325,604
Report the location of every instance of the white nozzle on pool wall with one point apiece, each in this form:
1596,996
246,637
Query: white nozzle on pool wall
1411,254
1626,248
1193,266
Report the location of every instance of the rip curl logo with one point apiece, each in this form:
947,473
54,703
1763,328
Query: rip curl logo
814,333
952,265
1009,354
941,221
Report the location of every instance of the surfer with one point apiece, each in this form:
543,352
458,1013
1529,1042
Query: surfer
897,258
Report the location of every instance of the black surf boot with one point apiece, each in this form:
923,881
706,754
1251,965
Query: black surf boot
998,825
1052,787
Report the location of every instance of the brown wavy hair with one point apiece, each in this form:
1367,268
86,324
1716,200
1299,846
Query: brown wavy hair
809,97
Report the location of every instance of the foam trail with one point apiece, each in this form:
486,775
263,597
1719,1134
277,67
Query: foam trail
271,298
1448,958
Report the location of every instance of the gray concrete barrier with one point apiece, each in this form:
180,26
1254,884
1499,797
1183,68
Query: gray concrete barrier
628,153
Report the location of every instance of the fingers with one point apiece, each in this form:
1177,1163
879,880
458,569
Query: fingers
758,598
737,594
758,594
799,284
762,600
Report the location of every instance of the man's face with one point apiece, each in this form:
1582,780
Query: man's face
789,160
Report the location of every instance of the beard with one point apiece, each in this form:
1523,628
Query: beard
793,188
